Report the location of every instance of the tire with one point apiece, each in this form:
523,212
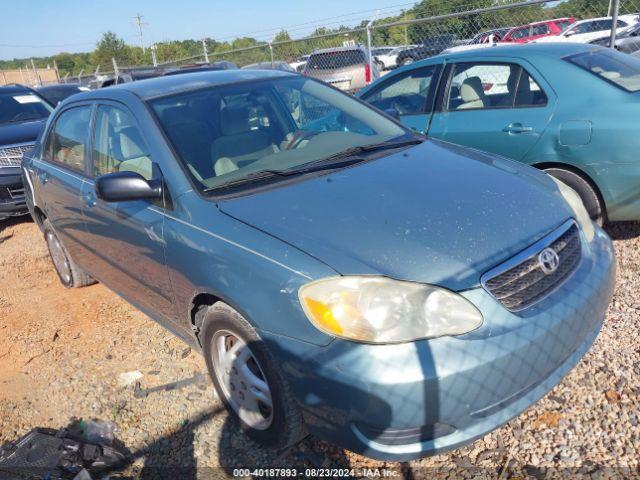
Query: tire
585,190
69,273
283,424
407,61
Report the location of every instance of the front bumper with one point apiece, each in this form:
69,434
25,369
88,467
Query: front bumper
399,402
12,199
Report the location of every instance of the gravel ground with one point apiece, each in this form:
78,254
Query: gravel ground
62,351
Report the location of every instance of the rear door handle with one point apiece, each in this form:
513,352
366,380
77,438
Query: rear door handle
516,128
43,177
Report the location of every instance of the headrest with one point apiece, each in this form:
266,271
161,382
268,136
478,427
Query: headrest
131,144
234,120
471,90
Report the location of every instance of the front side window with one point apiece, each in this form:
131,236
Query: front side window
22,107
69,136
614,67
477,86
407,93
224,134
118,145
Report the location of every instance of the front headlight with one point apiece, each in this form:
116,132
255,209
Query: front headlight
382,310
575,202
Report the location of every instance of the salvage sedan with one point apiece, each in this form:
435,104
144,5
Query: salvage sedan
342,275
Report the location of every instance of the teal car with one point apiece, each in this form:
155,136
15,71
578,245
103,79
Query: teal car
571,110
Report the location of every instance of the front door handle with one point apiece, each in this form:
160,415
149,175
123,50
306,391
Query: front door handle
517,128
90,199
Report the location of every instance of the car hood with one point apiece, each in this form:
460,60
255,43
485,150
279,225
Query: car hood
434,213
25,132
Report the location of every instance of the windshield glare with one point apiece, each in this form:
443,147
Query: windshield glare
22,107
223,134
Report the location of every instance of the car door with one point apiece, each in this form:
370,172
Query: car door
126,238
61,172
410,93
501,106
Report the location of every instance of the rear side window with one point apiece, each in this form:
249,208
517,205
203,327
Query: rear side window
542,29
563,24
520,33
335,60
614,67
68,139
118,144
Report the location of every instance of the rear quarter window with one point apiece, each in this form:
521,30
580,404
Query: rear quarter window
617,68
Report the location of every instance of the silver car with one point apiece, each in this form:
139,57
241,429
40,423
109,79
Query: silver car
346,68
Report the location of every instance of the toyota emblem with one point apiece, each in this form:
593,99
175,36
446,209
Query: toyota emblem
548,260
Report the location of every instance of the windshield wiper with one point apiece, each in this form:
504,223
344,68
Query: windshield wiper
336,161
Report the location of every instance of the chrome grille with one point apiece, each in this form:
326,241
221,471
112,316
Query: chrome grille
520,282
12,156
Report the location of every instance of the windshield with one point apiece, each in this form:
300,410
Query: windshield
224,134
618,68
18,107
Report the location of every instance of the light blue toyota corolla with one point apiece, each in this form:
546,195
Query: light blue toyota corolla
343,276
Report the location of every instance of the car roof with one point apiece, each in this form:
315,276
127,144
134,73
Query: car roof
337,49
541,22
551,49
627,16
167,85
14,89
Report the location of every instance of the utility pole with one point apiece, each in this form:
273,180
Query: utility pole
154,56
204,50
140,23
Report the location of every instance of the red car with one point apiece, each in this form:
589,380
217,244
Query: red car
533,31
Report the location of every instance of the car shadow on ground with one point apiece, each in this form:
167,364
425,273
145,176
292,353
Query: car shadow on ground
10,222
623,230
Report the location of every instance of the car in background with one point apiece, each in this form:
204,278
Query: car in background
299,64
429,47
520,102
537,30
275,65
346,68
584,31
627,41
23,114
490,36
341,275
55,93
389,60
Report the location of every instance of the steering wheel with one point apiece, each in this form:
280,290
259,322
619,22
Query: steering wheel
298,137
403,105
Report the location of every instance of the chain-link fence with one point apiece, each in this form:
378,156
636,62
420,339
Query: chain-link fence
351,57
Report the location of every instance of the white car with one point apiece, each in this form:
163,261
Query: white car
300,63
389,59
584,31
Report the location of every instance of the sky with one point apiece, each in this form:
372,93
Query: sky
46,27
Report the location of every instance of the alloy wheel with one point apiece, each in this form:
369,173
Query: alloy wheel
59,257
242,380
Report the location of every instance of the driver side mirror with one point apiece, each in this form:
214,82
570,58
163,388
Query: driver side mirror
127,186
392,112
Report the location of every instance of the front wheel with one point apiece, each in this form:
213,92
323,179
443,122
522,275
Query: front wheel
583,188
248,380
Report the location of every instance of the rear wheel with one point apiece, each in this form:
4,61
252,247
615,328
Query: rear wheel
585,190
69,273
407,61
248,380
